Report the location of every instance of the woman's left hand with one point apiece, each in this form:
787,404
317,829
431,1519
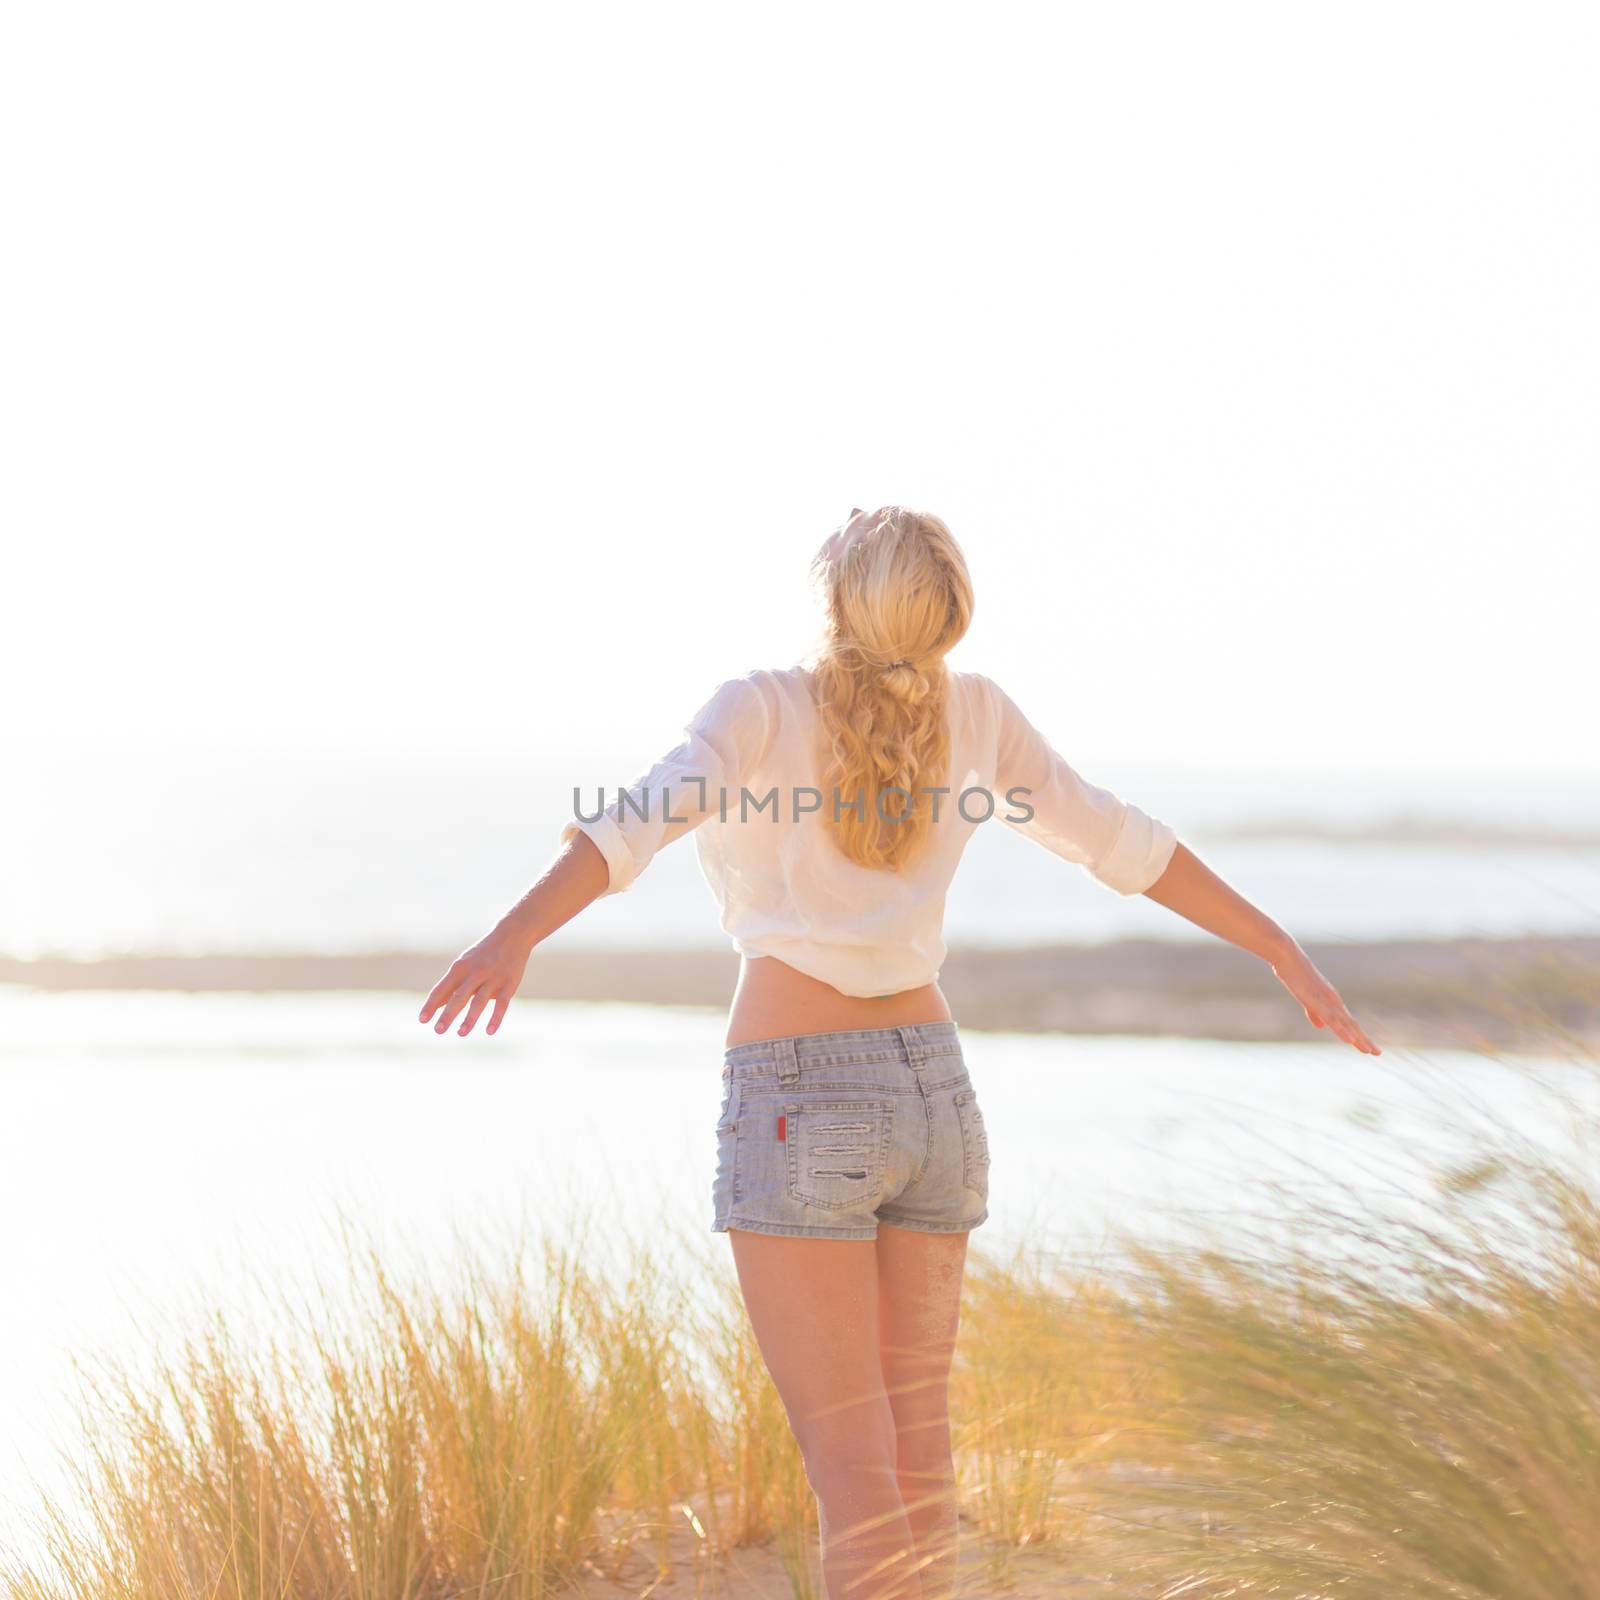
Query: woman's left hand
490,971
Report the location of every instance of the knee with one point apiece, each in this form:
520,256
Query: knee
925,1451
839,1451
926,1482
921,1417
918,1386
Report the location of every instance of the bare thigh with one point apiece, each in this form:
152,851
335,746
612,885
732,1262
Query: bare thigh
919,1311
813,1304
858,1334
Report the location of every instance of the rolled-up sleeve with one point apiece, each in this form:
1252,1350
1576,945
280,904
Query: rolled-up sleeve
723,740
1044,799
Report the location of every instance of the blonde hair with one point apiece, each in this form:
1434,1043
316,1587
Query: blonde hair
894,602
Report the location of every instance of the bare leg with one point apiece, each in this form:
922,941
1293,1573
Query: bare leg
919,1288
814,1306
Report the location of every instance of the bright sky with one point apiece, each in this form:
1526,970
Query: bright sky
478,377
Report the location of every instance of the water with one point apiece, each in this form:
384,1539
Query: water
223,853
158,1151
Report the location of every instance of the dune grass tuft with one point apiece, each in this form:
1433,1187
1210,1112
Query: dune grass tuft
1319,1396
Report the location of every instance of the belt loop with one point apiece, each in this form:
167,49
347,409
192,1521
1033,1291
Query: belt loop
783,1052
912,1045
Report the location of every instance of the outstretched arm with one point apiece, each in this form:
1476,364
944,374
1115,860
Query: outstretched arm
604,854
1135,853
492,969
1189,887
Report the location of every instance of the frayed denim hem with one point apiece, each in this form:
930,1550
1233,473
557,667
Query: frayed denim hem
799,1230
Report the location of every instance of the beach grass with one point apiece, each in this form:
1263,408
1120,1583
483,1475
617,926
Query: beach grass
1321,1395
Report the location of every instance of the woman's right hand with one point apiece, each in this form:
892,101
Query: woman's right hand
490,971
1319,999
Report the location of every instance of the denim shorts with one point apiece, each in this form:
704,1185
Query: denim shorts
829,1134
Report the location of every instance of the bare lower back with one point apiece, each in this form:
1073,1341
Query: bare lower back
774,1000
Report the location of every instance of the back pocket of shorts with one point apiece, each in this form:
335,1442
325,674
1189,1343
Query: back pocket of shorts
974,1141
835,1150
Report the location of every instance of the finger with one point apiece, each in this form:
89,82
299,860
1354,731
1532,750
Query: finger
442,990
1365,1042
1351,1034
457,1003
1359,1040
435,1000
498,1015
1334,1009
475,1010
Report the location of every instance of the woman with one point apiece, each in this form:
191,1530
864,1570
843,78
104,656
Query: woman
836,799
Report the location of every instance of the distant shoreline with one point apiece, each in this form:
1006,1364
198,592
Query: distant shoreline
1419,830
1530,994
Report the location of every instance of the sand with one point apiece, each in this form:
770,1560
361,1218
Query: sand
1051,1571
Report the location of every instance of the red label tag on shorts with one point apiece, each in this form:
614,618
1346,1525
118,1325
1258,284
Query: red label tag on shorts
783,1126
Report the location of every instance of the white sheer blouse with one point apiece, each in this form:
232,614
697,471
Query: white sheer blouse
744,780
